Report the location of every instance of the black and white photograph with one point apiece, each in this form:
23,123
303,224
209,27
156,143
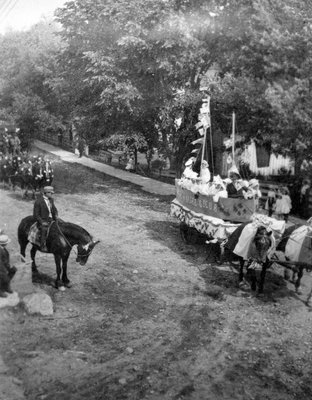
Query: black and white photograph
155,199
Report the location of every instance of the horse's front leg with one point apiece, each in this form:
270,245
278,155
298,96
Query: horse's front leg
265,266
58,282
33,252
287,274
309,298
241,270
65,280
251,274
298,281
242,282
25,194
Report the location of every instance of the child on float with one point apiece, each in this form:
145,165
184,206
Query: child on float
235,185
188,176
188,171
204,184
283,204
219,188
253,192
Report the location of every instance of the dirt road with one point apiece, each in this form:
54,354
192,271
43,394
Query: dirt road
147,317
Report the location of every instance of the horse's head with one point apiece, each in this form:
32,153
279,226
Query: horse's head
84,250
263,242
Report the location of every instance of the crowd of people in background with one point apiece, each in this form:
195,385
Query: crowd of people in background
20,168
10,143
29,172
280,201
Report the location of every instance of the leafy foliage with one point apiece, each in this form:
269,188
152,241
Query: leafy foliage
133,67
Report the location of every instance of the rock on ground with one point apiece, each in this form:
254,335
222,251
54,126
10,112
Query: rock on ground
38,303
11,300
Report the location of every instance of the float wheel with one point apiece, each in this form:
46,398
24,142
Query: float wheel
188,235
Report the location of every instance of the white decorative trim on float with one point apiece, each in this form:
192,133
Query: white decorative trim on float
218,228
211,226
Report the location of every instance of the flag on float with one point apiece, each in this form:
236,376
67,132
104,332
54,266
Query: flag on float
204,113
202,125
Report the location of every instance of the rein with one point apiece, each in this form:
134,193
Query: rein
71,247
64,237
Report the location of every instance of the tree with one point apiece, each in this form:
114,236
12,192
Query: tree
27,65
135,55
135,66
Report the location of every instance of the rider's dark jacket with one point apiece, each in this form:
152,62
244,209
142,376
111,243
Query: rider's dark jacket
41,211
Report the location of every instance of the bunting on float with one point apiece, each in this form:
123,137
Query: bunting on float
203,123
197,141
204,113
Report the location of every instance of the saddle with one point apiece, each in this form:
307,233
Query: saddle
34,235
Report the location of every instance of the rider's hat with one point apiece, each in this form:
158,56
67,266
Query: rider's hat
4,239
47,189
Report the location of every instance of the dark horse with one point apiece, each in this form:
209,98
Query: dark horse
60,241
259,248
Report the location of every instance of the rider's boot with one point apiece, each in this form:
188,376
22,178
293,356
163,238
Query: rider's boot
43,236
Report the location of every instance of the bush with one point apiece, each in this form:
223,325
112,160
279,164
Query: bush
158,164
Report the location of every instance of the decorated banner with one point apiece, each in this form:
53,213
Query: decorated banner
227,209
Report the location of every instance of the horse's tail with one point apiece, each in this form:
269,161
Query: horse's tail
23,229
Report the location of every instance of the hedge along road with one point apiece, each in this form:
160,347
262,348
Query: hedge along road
147,317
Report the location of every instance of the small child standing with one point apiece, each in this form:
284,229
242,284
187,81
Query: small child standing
271,200
283,204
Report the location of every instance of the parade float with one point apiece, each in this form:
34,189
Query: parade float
202,204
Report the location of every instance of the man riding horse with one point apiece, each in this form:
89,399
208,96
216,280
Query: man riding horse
45,212
57,238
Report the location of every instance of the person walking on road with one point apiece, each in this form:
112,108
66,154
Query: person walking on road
81,146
